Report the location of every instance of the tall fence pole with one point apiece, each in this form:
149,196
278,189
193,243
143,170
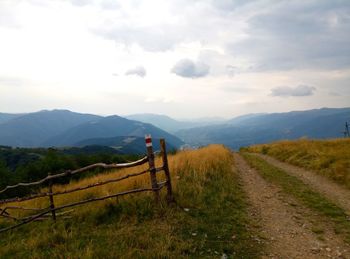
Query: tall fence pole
150,155
52,205
164,154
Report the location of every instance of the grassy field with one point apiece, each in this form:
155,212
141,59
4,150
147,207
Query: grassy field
302,192
209,220
330,158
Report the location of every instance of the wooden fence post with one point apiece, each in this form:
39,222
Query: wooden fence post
169,197
152,167
52,205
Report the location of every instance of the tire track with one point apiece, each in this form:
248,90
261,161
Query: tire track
287,229
334,192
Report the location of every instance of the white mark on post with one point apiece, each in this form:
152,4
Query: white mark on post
148,140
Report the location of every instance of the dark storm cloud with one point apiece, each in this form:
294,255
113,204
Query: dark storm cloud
298,34
188,68
138,71
300,90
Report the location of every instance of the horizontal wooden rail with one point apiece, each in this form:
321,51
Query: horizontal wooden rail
42,213
32,218
45,194
80,170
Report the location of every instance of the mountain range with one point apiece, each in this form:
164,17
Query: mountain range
172,125
262,128
65,128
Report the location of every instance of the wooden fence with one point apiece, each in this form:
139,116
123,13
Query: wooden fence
41,213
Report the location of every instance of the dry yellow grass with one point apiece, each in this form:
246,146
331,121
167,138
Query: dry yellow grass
134,227
327,157
199,160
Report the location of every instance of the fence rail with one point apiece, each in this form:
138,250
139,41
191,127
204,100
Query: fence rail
42,212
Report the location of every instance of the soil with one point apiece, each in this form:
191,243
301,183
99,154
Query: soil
338,194
286,228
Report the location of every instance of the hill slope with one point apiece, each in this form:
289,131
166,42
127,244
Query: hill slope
66,128
5,117
123,144
169,124
135,227
109,127
262,128
32,129
330,158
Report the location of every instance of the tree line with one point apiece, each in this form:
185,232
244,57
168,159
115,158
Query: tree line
31,164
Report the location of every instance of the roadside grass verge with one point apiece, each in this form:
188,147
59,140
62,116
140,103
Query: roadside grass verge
302,192
330,158
209,220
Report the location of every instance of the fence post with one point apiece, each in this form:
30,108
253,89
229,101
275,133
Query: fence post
52,205
152,167
169,197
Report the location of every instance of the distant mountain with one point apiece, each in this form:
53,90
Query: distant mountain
245,118
171,125
5,117
109,127
262,128
123,144
32,129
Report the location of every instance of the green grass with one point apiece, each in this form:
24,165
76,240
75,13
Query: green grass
135,227
330,158
302,192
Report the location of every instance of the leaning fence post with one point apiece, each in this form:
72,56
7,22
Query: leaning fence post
169,197
152,167
52,205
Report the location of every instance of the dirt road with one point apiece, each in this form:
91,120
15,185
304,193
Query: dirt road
285,224
334,192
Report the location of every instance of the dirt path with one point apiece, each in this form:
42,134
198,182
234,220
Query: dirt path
336,193
284,223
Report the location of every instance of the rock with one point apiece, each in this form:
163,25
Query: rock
328,249
315,250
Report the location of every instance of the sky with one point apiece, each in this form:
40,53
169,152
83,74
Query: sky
186,59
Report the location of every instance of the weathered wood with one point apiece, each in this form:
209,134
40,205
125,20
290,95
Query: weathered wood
52,204
75,189
79,203
170,197
49,216
150,158
152,168
80,170
3,211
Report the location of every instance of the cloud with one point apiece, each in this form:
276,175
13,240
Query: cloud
138,71
82,2
11,81
104,4
189,69
297,35
300,90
